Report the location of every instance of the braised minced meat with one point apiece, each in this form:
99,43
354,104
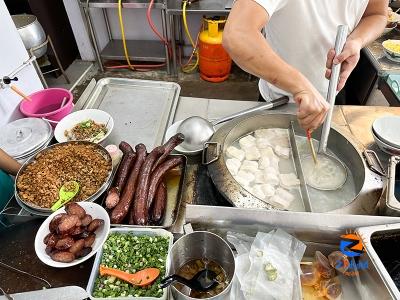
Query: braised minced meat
42,179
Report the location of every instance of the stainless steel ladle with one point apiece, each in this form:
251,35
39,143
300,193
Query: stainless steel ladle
331,97
198,130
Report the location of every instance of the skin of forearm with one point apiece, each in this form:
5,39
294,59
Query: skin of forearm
369,29
252,53
9,164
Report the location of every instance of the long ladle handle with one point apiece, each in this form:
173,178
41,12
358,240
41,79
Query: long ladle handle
167,281
332,89
269,105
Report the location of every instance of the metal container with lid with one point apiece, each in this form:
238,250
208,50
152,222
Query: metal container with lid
389,202
24,137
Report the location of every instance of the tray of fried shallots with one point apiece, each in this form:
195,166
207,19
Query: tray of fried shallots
147,187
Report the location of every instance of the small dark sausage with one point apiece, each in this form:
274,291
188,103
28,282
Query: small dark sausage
73,208
159,204
77,230
112,198
122,208
90,240
168,147
53,225
95,224
77,246
68,222
47,237
120,178
52,240
125,148
48,250
83,235
86,220
85,251
64,243
62,256
158,175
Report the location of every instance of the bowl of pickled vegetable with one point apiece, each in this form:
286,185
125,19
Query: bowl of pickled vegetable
131,250
92,125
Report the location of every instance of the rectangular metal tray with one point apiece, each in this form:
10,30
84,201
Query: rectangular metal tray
142,109
174,198
137,232
366,233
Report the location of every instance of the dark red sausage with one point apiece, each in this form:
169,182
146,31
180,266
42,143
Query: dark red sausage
53,225
95,224
64,243
73,208
121,177
86,220
158,175
62,256
168,147
125,148
159,204
122,208
112,198
141,214
67,223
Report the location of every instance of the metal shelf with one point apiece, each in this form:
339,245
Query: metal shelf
125,4
174,7
139,50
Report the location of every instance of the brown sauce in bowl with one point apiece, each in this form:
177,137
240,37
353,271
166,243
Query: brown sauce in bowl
192,267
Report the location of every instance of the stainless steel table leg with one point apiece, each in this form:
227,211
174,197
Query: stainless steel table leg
165,33
107,23
173,44
93,37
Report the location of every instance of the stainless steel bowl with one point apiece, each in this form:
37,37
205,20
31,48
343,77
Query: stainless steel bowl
34,209
197,245
31,33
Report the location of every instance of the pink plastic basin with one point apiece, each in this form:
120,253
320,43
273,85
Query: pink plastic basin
47,104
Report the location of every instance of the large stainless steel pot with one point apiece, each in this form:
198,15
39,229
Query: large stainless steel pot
31,33
197,245
368,185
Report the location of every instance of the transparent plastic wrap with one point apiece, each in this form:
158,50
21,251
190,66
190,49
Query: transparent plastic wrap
272,265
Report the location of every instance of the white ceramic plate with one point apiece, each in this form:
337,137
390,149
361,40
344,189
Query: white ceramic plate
79,116
93,209
171,131
385,147
387,129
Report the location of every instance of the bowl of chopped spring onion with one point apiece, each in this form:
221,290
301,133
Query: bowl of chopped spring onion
131,250
392,49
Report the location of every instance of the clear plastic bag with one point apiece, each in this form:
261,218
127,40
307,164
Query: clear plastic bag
274,267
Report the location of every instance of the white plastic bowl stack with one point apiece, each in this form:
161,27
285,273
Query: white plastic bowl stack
386,132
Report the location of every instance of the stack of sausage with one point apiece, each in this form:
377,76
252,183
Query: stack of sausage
139,193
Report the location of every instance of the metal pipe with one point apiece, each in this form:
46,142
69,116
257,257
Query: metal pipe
93,35
173,44
332,89
107,23
24,64
165,33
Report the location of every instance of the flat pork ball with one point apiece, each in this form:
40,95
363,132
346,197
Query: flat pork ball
249,166
289,180
233,152
233,165
252,153
244,178
247,141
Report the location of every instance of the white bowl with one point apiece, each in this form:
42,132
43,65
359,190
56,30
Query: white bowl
79,116
387,130
171,131
385,147
93,209
394,56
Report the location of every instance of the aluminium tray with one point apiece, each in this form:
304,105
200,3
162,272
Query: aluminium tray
133,231
174,180
142,109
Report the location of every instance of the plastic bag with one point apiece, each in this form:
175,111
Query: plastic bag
274,267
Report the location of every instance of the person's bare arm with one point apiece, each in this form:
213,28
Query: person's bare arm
369,29
8,164
248,48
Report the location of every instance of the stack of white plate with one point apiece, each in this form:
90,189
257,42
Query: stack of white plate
386,132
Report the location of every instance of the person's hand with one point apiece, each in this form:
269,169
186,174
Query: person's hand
312,108
348,58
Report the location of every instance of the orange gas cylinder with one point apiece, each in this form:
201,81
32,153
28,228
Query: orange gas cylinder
215,64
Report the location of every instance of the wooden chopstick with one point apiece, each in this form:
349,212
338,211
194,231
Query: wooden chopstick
314,155
19,92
